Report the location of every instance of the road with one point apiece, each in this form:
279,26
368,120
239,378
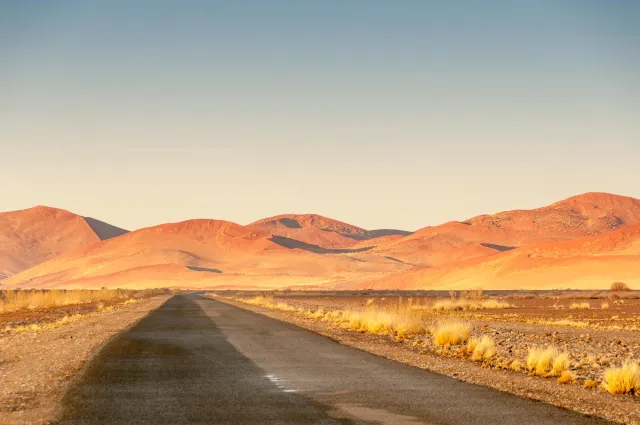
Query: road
196,360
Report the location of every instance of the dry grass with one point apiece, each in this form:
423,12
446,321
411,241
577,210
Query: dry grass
590,384
15,300
451,333
580,306
467,304
41,327
547,362
481,349
604,306
399,319
623,380
566,378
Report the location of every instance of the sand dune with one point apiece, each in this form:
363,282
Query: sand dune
583,215
321,231
579,242
591,262
197,250
29,237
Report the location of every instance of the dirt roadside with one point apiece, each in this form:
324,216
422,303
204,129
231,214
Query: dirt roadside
36,367
621,408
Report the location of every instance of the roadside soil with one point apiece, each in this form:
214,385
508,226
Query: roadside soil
510,336
37,367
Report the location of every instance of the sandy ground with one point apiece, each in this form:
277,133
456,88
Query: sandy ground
510,335
36,367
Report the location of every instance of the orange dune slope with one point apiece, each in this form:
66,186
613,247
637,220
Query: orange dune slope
216,249
578,216
321,231
29,237
591,262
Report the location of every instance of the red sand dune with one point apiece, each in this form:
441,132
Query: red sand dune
582,215
321,231
591,262
29,237
314,250
215,249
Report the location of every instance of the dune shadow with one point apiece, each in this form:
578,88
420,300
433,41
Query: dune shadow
104,230
295,244
290,223
388,232
204,269
500,248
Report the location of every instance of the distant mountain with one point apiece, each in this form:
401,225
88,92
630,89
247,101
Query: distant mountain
29,237
321,231
591,262
578,216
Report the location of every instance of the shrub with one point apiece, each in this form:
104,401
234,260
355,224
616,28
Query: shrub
580,306
547,362
451,333
560,364
619,287
590,384
566,378
481,349
623,380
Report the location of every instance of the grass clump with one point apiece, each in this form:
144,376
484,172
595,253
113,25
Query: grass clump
623,380
580,306
451,333
481,349
566,378
469,304
590,384
547,361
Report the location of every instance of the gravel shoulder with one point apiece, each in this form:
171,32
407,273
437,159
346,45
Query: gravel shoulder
621,408
37,367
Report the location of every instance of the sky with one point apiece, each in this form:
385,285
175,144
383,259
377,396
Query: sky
378,113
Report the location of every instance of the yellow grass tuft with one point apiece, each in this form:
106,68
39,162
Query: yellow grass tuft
623,380
515,365
467,304
590,384
560,364
481,349
547,361
580,306
604,306
566,378
451,333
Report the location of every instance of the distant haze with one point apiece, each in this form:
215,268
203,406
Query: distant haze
381,114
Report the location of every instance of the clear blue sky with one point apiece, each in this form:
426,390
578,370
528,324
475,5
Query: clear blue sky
379,113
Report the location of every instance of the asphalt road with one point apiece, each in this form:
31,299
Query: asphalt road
196,360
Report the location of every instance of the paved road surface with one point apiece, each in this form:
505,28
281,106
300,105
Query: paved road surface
196,360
